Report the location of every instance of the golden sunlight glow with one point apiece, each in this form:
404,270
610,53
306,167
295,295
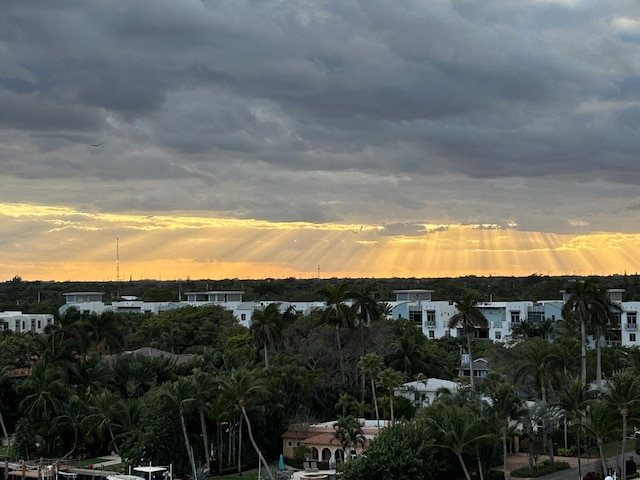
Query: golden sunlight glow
56,243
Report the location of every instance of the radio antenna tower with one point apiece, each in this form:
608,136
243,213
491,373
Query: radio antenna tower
117,258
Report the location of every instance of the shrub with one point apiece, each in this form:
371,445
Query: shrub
567,452
592,476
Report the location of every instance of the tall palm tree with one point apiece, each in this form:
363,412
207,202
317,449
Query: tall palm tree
506,406
240,389
585,302
572,399
469,317
71,418
3,369
366,310
266,328
597,421
337,313
390,379
181,394
600,322
623,395
203,392
371,364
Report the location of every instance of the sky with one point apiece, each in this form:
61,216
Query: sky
175,139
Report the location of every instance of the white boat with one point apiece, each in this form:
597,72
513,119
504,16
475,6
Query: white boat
123,477
146,473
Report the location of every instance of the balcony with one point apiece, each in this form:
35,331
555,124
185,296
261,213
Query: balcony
631,327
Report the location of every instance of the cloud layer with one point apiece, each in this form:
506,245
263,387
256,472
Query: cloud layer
523,114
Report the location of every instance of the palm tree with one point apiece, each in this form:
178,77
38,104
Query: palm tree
44,390
598,422
599,323
535,414
469,317
390,379
134,375
623,395
506,405
538,365
266,328
241,388
371,364
458,428
348,432
572,399
366,310
106,332
181,394
72,325
408,354
337,313
346,404
584,303
4,368
203,389
105,410
71,418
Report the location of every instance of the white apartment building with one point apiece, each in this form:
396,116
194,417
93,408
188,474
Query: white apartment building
25,322
92,302
430,316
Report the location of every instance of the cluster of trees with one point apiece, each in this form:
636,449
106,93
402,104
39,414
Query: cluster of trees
242,388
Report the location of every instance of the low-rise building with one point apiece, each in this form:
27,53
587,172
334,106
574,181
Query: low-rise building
321,441
25,322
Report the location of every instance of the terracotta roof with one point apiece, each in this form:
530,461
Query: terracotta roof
322,439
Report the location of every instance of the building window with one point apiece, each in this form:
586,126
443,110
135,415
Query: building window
632,337
415,316
515,317
431,318
243,317
290,443
432,334
498,335
617,319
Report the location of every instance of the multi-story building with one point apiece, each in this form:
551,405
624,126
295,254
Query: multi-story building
431,317
92,302
25,322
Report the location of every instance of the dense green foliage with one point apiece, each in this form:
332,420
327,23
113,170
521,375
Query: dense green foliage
400,452
226,393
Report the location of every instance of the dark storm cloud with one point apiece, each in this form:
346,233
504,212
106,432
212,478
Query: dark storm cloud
421,105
